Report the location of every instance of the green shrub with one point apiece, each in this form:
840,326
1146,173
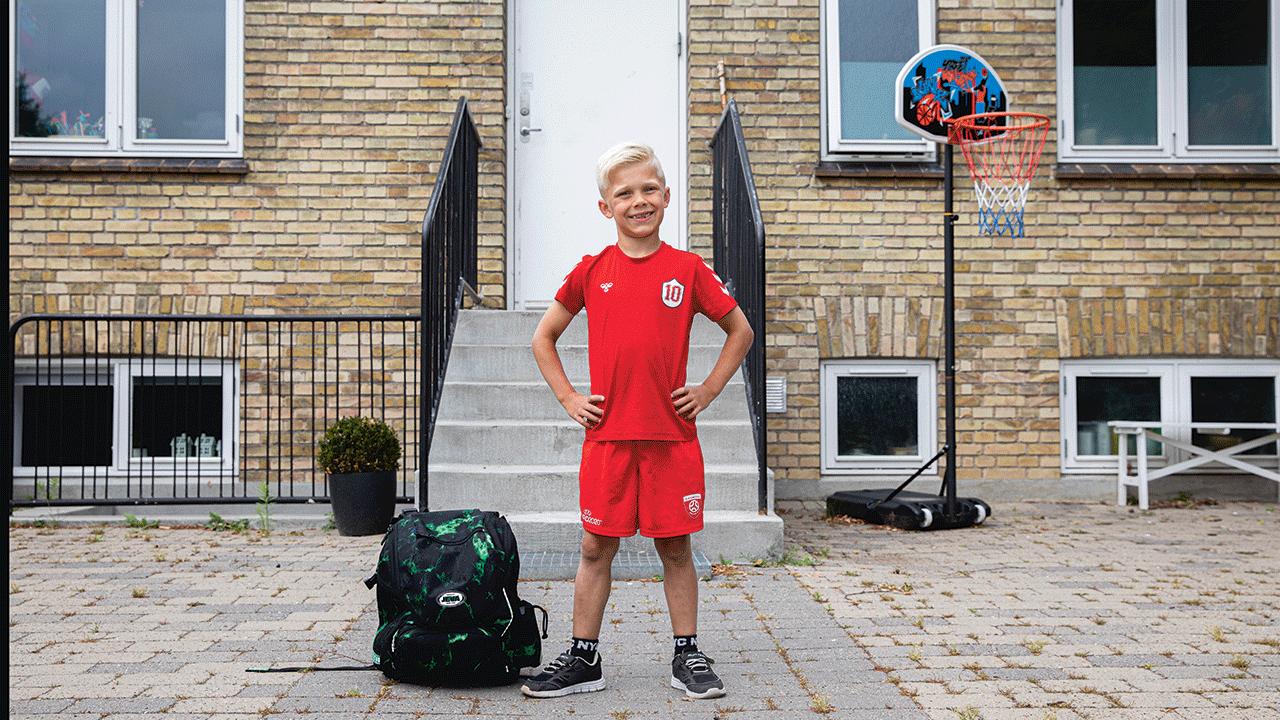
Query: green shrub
357,445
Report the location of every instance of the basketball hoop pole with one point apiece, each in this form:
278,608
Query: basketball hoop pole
949,311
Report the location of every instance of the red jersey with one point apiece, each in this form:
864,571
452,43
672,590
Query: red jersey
639,311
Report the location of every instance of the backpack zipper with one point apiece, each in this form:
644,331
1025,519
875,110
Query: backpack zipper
510,613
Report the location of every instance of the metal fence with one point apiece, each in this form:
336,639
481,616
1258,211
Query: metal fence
143,409
738,238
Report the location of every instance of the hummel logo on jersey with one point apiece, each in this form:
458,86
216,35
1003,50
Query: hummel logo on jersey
672,293
722,288
588,518
605,286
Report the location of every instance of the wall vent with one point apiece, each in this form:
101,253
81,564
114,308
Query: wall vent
775,394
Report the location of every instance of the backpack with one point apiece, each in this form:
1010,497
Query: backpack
448,608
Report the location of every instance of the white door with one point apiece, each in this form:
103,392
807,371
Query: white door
583,76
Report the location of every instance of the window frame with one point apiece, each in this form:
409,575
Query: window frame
120,115
118,373
833,147
29,373
1172,123
1072,461
926,374
1175,404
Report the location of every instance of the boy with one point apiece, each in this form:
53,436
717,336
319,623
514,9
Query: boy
641,462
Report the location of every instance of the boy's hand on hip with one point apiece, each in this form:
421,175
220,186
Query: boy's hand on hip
692,399
583,409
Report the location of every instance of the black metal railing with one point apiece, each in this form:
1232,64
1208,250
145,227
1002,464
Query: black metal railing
165,409
449,250
738,238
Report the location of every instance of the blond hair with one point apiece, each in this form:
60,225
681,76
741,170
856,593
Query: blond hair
625,154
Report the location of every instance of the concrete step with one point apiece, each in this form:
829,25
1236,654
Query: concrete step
514,363
524,488
533,400
516,327
524,442
727,535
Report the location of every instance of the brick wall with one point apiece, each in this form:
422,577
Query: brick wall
347,107
1109,268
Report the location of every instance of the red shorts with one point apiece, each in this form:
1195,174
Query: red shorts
655,486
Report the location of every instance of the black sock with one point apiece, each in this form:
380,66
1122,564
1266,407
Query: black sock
585,649
686,643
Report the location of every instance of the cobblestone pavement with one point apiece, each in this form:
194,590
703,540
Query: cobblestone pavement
1049,611
1065,611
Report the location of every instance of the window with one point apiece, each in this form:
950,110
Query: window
877,417
81,414
126,77
1168,80
1176,392
864,45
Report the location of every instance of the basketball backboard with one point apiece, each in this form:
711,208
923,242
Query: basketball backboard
945,82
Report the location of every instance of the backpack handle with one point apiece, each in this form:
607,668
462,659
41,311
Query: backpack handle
459,541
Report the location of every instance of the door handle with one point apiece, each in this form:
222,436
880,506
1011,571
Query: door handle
525,131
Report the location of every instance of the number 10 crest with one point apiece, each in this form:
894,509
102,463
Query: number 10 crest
672,293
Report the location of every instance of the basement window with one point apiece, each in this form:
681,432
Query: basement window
80,415
878,417
1174,392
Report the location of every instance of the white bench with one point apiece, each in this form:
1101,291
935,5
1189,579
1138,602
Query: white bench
1144,474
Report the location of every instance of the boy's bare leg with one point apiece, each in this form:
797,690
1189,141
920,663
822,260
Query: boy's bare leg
591,585
680,582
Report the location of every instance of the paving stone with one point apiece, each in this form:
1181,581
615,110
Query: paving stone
1085,605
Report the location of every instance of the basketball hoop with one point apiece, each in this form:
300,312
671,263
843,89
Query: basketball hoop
1002,150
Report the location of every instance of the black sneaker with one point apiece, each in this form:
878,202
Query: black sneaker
691,672
566,675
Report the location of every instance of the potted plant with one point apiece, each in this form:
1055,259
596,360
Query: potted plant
360,456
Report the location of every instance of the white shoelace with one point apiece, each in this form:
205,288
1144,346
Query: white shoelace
554,666
697,662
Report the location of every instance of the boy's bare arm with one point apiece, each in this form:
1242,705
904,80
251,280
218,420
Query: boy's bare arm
579,407
693,399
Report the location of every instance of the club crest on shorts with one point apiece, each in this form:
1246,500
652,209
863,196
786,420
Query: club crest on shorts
672,293
693,504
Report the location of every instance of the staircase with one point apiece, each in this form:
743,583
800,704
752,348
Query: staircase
502,442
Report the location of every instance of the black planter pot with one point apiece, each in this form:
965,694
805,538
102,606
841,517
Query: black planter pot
363,503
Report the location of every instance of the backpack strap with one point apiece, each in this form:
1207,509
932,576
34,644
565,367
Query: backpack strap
544,618
308,668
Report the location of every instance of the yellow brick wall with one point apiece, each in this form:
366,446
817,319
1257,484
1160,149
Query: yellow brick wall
853,261
347,107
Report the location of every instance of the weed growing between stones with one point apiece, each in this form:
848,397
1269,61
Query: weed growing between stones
218,524
140,523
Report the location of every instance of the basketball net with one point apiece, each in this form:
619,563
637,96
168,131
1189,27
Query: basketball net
1002,151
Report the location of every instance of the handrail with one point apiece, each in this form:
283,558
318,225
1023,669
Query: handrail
737,231
449,253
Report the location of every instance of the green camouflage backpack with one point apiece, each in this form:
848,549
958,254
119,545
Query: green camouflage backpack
448,610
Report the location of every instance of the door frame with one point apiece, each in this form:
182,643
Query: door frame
681,166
